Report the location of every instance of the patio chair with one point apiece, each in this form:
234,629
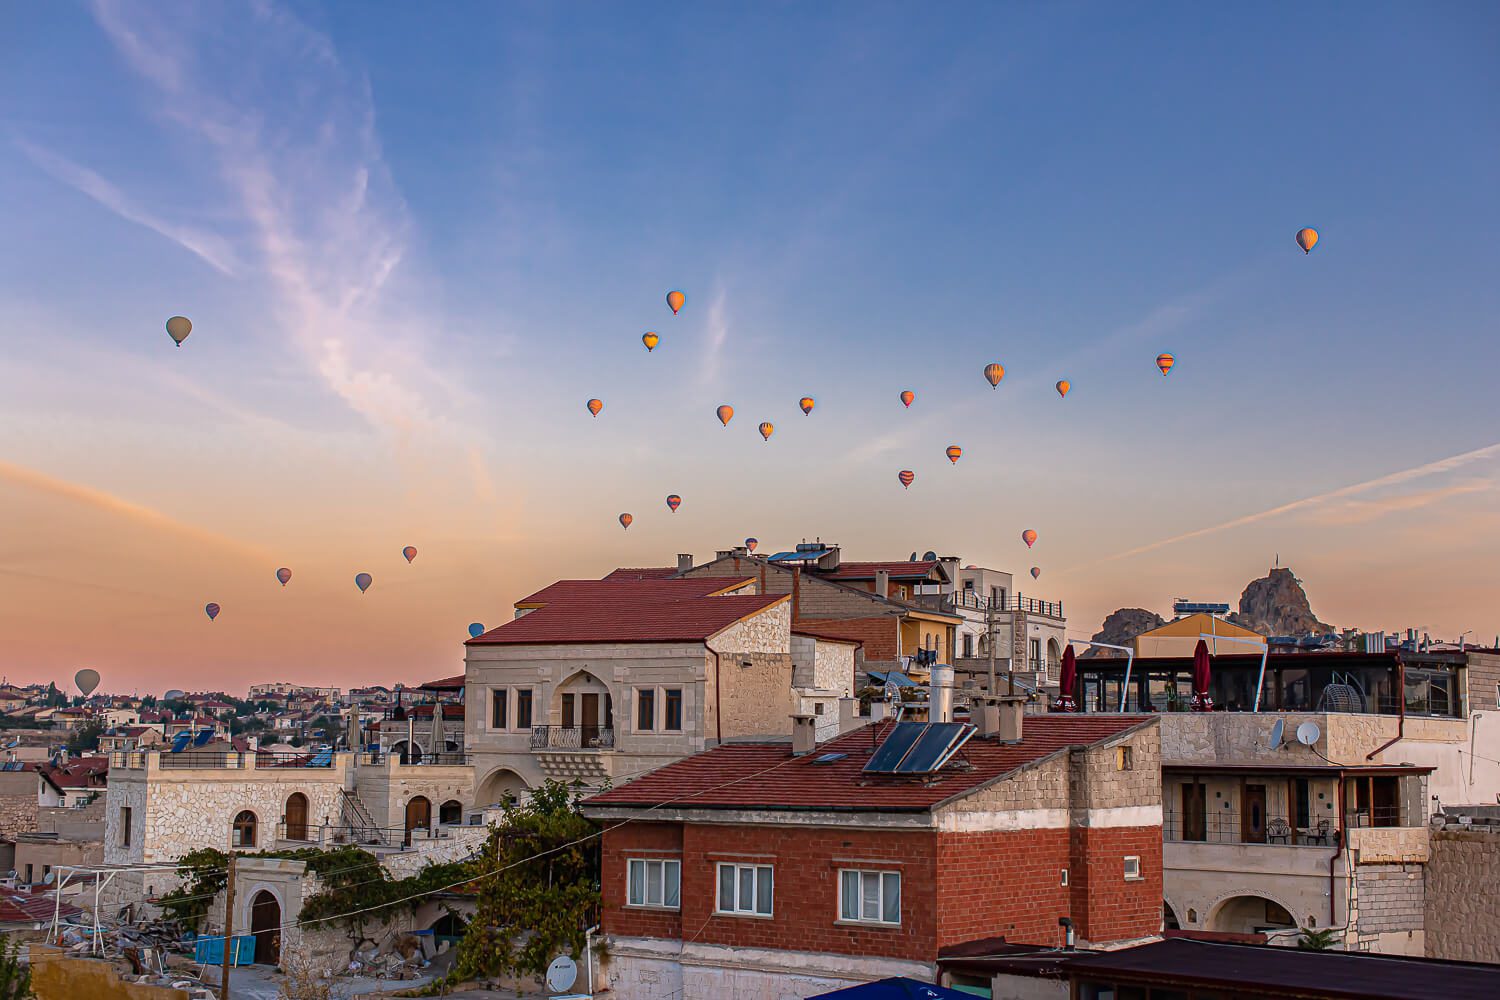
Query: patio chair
1278,830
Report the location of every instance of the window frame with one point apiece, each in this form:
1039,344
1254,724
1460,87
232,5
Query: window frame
1138,876
739,869
236,839
530,702
646,864
500,698
880,875
645,709
126,815
669,695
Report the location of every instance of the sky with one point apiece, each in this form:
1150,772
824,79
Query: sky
413,240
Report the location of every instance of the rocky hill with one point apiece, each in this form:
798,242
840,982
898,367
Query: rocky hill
1276,604
1122,626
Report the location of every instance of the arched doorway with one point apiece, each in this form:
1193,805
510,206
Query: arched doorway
407,753
1250,915
1169,919
265,924
499,788
449,927
451,813
418,816
296,817
1054,658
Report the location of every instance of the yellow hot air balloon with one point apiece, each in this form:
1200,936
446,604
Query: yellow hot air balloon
1029,537
650,339
767,429
178,327
994,372
625,520
1307,239
675,299
726,414
807,403
954,453
907,477
1165,362
1063,385
906,397
595,405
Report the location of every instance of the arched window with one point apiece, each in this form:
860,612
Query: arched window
296,817
244,830
451,813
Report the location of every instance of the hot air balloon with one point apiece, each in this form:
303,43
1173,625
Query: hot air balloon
1307,239
363,581
767,429
410,552
1036,572
650,340
595,405
212,610
87,680
625,520
1165,362
675,299
994,372
954,453
907,477
751,543
907,396
1029,537
475,630
673,502
1063,385
178,327
807,403
283,574
726,413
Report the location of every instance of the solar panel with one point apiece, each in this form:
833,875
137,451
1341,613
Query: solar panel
897,744
829,758
180,742
204,735
939,742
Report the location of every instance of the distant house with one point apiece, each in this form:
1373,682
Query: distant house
74,783
1179,637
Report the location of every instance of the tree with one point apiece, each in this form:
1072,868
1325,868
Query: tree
1317,940
542,892
54,697
15,978
85,738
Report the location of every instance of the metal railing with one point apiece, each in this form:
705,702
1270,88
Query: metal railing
450,758
572,738
220,760
336,835
974,601
1227,826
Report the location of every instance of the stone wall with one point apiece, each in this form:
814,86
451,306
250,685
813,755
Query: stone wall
1483,681
57,977
1463,895
387,787
18,802
1386,913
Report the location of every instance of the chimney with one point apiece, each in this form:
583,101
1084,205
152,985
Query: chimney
796,594
848,714
940,695
1010,711
723,553
883,582
684,561
804,734
879,710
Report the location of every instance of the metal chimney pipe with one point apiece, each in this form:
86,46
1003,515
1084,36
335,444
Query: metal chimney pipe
940,695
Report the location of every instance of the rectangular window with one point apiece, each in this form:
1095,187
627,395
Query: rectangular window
124,826
1064,878
968,644
523,708
500,701
28,874
745,889
1132,868
655,883
645,710
870,897
672,708
1124,758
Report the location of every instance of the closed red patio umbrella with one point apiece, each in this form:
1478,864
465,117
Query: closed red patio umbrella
1201,675
1066,682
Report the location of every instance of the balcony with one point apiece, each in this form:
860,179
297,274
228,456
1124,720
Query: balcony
970,600
1230,826
382,757
572,738
217,760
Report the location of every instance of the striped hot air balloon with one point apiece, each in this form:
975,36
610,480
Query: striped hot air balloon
212,610
993,373
906,397
675,300
1029,537
1307,239
283,574
673,502
751,543
1165,362
595,405
807,403
907,477
650,339
767,429
1063,385
625,521
726,414
954,453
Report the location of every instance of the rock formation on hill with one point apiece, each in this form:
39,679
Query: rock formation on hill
1123,626
1276,604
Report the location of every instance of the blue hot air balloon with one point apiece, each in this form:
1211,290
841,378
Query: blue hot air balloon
363,581
476,630
212,610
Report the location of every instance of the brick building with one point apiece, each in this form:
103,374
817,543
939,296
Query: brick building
752,870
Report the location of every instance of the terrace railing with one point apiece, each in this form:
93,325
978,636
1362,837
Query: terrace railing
572,738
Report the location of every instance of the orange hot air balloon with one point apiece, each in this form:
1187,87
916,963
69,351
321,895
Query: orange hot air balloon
907,477
726,414
994,372
907,396
1029,537
673,502
650,340
675,299
595,405
767,429
1063,385
807,403
410,552
1165,362
1036,572
625,520
751,543
1307,239
954,453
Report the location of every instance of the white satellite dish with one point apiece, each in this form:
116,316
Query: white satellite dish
562,974
1278,732
1308,733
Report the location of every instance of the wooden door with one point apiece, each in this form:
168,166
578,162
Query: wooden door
590,706
1253,814
418,815
296,817
1194,811
567,711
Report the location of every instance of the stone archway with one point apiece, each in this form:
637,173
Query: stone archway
499,787
265,925
451,813
1250,913
1169,921
1054,658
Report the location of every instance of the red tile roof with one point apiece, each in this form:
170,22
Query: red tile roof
903,570
22,908
827,635
767,776
588,611
85,772
644,573
446,683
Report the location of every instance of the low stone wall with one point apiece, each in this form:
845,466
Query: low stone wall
56,977
1463,895
1388,910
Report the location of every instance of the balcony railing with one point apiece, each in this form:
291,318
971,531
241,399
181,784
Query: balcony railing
1228,826
219,760
385,756
336,835
572,738
975,601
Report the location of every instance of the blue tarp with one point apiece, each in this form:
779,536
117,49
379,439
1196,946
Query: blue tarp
898,988
896,677
211,949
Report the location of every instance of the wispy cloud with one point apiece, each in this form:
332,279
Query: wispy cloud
214,250
1394,479
1352,511
718,337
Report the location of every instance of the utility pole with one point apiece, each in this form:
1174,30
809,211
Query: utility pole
228,929
991,623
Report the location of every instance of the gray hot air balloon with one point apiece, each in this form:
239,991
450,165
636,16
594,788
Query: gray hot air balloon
87,680
178,328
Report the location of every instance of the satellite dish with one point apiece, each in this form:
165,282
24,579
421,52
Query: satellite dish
1308,733
1278,732
929,556
913,557
561,974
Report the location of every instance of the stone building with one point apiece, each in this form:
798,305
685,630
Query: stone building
1463,891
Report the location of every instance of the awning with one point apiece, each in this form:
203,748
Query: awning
896,677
